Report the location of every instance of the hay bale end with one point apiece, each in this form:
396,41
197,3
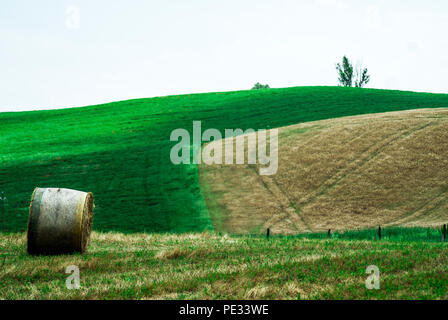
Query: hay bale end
60,221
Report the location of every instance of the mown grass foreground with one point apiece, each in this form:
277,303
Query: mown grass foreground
212,266
342,174
121,151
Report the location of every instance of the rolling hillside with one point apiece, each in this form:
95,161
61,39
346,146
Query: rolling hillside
120,151
354,172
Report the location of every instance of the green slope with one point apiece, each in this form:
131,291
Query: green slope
120,151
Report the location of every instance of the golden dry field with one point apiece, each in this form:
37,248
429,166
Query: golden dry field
388,169
216,266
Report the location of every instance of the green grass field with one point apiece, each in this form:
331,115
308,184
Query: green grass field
212,266
120,151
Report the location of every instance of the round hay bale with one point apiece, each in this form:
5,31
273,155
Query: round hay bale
59,221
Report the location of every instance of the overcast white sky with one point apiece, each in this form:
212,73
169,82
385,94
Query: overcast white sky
131,49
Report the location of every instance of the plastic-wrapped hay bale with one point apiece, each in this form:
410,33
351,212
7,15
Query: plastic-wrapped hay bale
59,221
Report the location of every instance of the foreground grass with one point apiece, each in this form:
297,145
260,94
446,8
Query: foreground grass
212,266
121,151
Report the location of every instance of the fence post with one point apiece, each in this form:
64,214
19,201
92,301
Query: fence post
2,198
329,233
267,233
379,232
444,233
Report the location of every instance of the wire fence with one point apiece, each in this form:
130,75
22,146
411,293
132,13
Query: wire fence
398,234
3,210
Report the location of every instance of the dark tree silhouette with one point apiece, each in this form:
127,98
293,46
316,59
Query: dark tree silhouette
345,72
362,77
349,76
258,85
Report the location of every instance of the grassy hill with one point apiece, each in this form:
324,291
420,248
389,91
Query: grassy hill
347,173
120,151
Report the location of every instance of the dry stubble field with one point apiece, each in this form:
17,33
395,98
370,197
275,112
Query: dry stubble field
387,169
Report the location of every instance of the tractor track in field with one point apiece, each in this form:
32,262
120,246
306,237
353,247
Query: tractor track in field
368,155
287,211
429,206
291,212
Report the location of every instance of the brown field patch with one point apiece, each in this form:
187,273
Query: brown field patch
345,173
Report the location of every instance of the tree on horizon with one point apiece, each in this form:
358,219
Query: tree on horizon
348,75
